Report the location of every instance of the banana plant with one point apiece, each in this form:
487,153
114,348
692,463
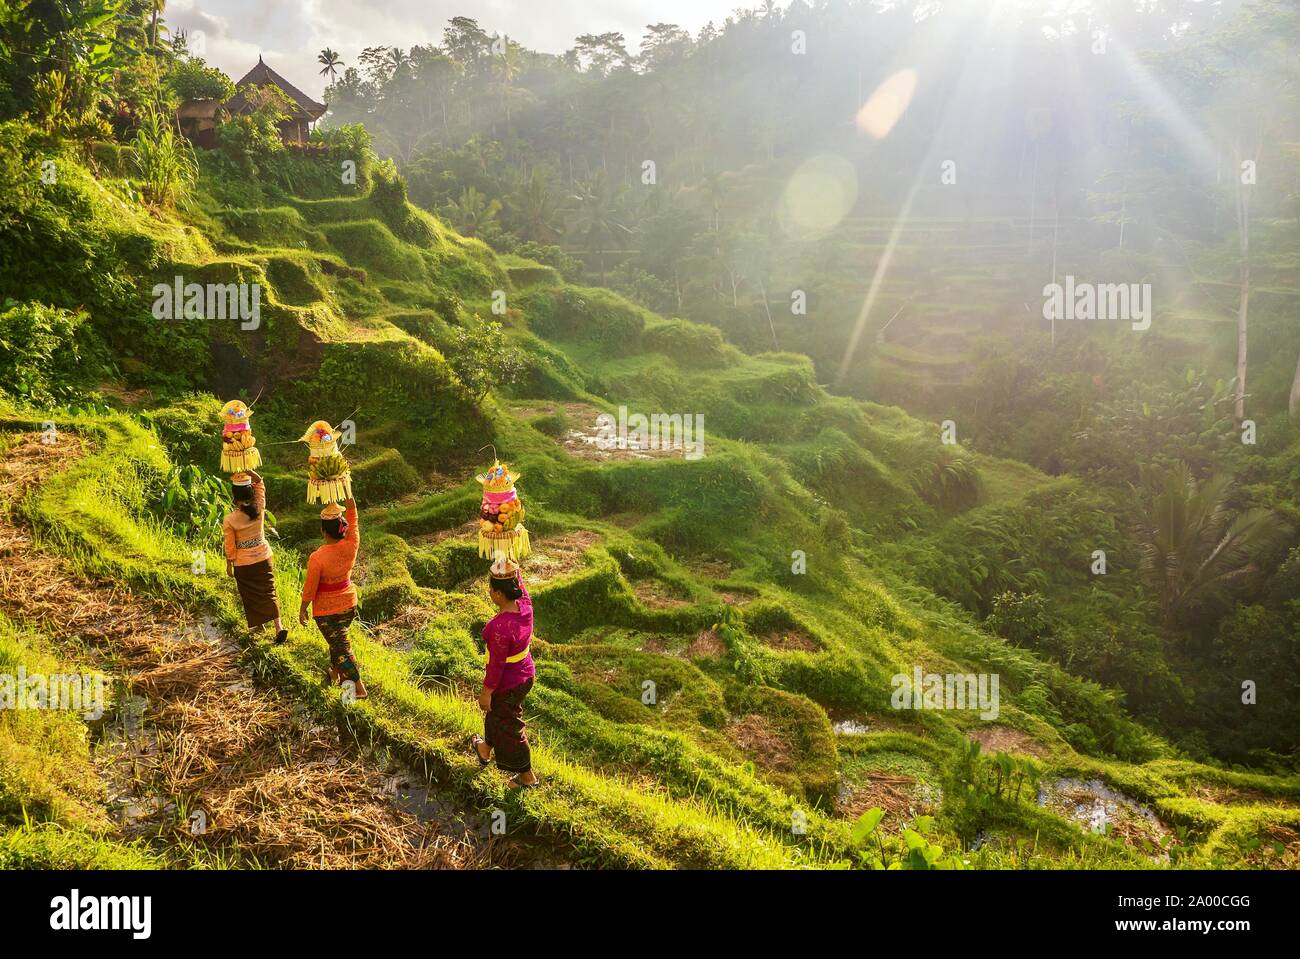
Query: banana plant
917,852
78,37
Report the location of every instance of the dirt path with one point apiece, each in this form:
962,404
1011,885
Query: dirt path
196,755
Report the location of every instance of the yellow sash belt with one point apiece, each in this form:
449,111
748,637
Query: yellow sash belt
517,657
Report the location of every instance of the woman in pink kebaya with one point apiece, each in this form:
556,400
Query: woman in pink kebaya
508,677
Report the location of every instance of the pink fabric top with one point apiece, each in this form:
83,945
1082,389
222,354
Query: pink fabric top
506,634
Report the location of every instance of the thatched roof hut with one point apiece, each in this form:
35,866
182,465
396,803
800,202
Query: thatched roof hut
198,121
303,110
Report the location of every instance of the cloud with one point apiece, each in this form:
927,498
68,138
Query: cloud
210,37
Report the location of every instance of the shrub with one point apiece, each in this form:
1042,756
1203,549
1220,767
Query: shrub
552,424
569,267
584,313
385,476
690,344
482,359
192,79
951,483
350,142
187,427
643,287
254,137
195,502
1020,617
41,353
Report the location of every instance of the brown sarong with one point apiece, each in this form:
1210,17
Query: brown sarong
503,728
256,583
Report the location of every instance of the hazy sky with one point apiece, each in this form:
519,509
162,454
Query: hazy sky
289,33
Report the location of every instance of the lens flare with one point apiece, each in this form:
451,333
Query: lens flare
818,196
887,105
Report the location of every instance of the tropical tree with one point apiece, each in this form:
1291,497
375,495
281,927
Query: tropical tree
192,79
757,252
1192,541
717,192
156,8
330,63
602,53
506,68
597,218
535,211
472,211
482,358
1222,78
80,39
666,241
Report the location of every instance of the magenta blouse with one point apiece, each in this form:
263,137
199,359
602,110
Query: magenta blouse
508,634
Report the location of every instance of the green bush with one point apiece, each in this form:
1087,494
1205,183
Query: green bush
251,138
189,427
584,313
193,79
951,483
1021,618
47,355
689,344
569,267
552,424
385,476
482,359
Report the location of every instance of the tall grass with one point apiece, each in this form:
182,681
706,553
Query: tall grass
163,159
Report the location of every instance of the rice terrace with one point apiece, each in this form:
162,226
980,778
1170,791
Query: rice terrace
849,436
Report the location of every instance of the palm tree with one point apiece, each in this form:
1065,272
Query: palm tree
330,63
156,9
536,210
1192,540
714,187
506,69
597,218
472,211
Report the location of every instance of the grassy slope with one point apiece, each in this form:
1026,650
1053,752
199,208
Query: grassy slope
788,468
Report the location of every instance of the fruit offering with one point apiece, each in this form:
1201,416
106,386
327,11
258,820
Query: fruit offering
501,515
238,445
328,477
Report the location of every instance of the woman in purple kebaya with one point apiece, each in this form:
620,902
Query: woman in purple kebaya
508,678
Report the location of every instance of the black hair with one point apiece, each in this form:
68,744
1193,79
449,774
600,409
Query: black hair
508,586
330,527
243,497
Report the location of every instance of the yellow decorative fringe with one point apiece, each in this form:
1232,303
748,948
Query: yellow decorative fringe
249,459
514,543
335,490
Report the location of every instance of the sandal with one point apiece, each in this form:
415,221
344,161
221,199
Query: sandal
474,741
514,782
